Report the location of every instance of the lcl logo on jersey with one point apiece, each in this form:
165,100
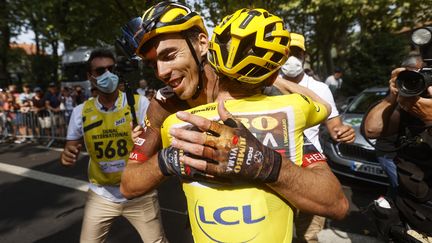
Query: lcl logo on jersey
244,215
210,220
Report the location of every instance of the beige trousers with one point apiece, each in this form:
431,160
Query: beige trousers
143,213
307,227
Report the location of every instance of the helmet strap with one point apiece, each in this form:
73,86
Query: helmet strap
200,66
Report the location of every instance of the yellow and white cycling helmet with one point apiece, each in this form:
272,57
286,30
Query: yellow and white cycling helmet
249,45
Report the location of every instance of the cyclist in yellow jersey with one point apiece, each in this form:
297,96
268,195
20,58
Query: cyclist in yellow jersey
243,211
164,45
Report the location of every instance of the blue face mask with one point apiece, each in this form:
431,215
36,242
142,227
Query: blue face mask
107,82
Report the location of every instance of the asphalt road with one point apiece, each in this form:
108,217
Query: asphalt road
41,201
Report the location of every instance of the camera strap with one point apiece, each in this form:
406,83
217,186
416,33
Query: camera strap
131,102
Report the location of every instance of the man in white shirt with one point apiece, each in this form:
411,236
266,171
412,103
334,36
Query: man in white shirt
334,81
102,125
308,226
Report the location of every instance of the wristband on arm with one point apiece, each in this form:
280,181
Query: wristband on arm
170,164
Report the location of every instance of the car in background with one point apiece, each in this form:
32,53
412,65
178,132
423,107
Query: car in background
358,159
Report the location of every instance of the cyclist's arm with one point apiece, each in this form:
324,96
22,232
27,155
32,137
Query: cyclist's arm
142,171
312,189
287,87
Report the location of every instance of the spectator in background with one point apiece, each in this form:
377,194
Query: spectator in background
24,122
26,94
79,95
13,90
24,119
3,132
143,87
2,97
335,81
41,113
10,107
94,92
52,104
67,103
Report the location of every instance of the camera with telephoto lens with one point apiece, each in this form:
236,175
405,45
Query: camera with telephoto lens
126,65
415,83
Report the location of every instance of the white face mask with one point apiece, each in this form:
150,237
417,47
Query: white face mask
293,67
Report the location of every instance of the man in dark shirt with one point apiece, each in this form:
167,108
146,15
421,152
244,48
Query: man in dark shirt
52,104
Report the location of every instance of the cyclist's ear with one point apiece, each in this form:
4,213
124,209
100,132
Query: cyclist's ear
203,44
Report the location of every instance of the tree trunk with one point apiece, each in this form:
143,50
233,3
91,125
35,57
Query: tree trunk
54,46
329,66
4,44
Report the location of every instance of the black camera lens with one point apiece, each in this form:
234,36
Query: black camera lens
411,83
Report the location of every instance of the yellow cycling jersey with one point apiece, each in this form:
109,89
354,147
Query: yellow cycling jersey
250,213
107,137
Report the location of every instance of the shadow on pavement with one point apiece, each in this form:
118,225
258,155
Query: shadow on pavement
360,194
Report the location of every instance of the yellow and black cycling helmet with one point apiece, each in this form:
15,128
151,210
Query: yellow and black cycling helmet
249,45
162,18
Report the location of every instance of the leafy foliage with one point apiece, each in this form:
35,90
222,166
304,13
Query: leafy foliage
371,61
361,36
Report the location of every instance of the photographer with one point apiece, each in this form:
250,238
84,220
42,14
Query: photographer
386,144
406,113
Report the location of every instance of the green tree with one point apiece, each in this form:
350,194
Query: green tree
371,61
336,31
10,25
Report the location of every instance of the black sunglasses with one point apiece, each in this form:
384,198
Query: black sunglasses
101,70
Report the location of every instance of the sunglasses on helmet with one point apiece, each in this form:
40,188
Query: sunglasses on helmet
134,31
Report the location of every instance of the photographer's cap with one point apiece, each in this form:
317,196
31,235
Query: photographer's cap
297,40
37,89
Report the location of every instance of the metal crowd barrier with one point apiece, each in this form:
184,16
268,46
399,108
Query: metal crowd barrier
34,127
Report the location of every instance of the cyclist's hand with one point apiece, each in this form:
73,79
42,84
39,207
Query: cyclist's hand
170,164
70,154
230,149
